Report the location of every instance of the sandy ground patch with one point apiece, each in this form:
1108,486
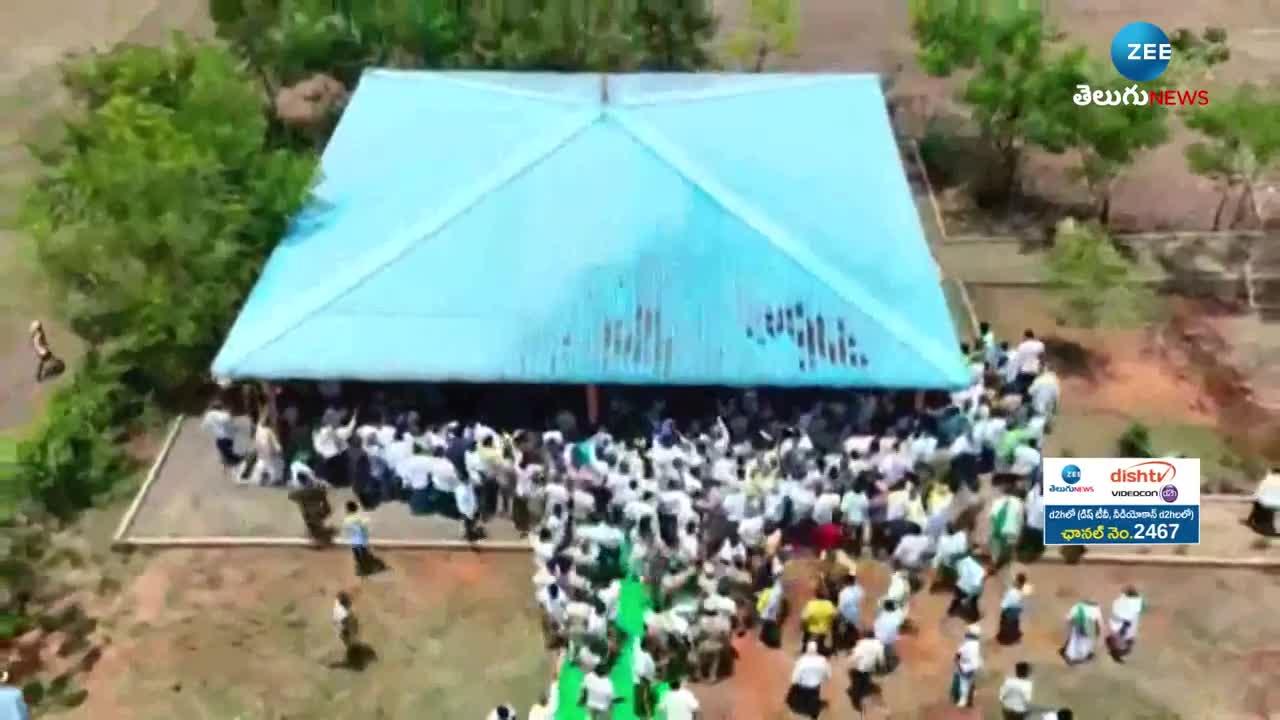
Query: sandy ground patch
1206,651
247,634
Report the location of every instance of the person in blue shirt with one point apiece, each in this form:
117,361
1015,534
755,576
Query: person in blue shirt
355,527
12,705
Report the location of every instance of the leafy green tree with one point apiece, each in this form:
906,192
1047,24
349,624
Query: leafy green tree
1109,138
674,34
1241,145
153,217
1020,85
76,456
1096,283
772,29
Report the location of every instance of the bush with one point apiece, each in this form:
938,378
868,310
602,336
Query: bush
1135,441
75,455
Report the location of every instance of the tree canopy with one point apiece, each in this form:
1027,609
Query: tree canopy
772,28
153,216
288,40
1241,144
1096,283
1020,86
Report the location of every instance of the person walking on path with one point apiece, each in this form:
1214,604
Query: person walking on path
1084,626
217,421
45,359
355,527
312,500
679,703
1011,606
344,621
13,706
868,659
1015,693
970,577
1125,612
811,671
597,695
967,664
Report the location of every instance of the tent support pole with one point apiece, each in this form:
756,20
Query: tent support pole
593,405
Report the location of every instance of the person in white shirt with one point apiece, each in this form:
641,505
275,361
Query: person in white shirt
269,468
1006,526
1044,392
967,664
1027,360
597,696
953,545
679,703
554,613
502,712
1125,612
849,612
219,423
811,671
911,552
886,628
825,506
1015,693
644,673
867,659
1011,611
1026,458
970,577
853,509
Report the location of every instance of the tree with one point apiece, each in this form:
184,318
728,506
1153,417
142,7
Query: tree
1096,283
1019,88
674,35
1241,145
772,28
1108,138
152,218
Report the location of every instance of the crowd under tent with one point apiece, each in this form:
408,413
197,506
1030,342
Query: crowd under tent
585,229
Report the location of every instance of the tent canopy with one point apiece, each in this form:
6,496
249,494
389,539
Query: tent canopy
658,229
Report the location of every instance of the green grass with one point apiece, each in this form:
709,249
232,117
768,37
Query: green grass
8,483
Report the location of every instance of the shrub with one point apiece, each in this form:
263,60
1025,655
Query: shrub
1135,441
75,456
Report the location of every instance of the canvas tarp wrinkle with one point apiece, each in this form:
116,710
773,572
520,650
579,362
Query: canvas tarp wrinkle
780,238
326,293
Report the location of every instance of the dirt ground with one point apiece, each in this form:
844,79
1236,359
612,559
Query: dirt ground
1190,664
247,634
1153,375
1158,191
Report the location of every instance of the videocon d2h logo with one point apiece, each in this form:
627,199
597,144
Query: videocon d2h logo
1141,52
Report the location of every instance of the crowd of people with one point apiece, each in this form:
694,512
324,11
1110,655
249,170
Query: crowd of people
708,512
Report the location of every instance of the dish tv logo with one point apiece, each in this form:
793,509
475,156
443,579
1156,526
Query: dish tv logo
1140,52
1151,471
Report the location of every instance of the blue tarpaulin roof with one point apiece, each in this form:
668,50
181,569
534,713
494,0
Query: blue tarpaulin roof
665,229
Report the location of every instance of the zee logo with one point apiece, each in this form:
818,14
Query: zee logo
1141,51
1071,474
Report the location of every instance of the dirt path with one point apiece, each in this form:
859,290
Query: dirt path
33,38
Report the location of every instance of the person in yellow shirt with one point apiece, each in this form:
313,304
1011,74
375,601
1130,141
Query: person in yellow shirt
817,619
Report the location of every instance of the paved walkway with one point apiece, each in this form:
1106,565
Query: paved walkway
194,496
